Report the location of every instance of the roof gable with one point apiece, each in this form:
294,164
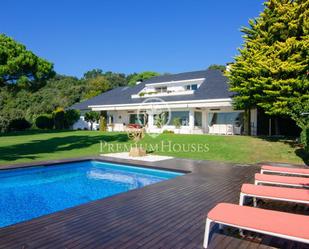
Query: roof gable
215,86
176,77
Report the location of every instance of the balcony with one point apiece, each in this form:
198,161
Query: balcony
161,94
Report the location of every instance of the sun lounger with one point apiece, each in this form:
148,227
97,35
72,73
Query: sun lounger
273,193
291,181
284,170
280,224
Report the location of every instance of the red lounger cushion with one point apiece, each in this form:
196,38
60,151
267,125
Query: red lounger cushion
282,179
276,192
294,225
285,169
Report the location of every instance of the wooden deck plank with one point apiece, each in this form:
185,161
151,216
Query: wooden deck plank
169,214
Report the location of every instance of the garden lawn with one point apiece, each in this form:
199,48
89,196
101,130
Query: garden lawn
24,147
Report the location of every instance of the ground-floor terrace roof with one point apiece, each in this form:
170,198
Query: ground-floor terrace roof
169,214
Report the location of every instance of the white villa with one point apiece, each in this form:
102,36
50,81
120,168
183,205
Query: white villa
200,101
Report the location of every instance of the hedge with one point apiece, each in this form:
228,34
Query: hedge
304,138
44,121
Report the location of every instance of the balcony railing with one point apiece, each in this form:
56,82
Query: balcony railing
167,93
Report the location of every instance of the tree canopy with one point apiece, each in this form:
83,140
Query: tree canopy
21,67
96,86
217,67
272,68
92,117
141,77
31,90
114,79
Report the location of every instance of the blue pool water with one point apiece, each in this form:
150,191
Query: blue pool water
36,191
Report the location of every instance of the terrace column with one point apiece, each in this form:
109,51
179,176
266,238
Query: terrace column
191,119
205,121
150,120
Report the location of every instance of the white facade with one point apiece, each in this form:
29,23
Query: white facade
199,117
173,88
210,116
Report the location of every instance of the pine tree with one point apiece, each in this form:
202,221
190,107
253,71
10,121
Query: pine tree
272,68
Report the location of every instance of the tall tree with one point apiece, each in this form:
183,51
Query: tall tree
20,66
96,86
114,79
141,77
217,67
92,117
272,69
93,73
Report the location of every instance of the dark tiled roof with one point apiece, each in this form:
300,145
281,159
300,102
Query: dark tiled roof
176,77
215,86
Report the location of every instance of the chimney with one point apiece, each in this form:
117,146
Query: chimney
228,66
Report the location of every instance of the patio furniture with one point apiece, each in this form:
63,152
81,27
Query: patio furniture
284,170
273,193
237,129
222,129
291,181
274,223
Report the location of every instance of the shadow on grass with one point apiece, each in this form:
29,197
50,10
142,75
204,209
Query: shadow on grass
303,155
31,132
291,141
32,149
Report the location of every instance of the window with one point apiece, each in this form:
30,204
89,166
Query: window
198,119
137,119
183,116
110,119
162,89
192,87
234,118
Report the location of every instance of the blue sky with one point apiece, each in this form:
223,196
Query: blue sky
129,36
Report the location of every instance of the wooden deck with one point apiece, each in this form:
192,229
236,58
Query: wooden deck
169,214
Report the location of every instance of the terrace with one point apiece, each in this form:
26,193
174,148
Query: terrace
169,214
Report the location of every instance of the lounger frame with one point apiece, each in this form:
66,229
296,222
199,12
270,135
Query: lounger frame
283,172
257,182
208,229
244,195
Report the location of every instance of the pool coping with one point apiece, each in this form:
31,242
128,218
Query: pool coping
51,163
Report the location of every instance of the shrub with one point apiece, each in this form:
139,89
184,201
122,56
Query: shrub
177,123
304,138
44,121
168,132
19,124
141,94
58,115
92,117
103,125
70,117
161,119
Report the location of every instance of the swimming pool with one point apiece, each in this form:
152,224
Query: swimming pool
28,193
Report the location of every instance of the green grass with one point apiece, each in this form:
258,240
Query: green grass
38,146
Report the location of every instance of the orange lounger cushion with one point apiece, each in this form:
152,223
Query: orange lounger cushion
276,192
287,224
283,179
286,169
